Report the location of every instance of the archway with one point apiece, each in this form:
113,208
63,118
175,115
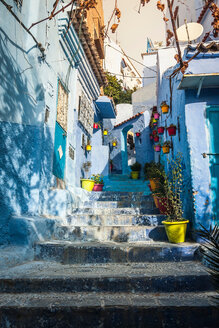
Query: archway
127,148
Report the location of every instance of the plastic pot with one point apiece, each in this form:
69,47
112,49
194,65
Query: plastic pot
176,231
165,109
171,130
87,184
156,116
95,126
166,149
156,139
88,148
135,175
160,130
98,187
157,148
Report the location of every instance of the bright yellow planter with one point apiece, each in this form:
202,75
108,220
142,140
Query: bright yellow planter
105,132
165,109
135,175
87,184
166,149
176,231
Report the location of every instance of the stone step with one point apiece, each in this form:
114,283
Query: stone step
115,220
119,204
119,196
69,252
58,310
44,277
114,211
110,233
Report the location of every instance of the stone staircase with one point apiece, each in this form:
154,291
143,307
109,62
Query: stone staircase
109,265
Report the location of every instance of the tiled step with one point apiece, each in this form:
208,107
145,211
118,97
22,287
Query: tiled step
115,220
58,310
44,277
110,233
70,252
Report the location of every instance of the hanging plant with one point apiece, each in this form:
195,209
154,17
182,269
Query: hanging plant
138,134
164,107
96,126
166,147
156,116
171,130
114,143
160,130
88,146
156,139
157,148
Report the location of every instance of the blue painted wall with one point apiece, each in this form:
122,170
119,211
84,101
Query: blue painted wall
192,138
29,86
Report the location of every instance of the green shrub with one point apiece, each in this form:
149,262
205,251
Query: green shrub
136,167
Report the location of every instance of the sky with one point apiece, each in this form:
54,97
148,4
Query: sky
134,28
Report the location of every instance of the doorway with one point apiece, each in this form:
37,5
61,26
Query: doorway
213,124
127,149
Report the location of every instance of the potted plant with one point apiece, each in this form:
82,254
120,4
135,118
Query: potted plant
98,182
87,183
136,168
105,132
96,126
157,148
114,143
154,172
171,130
138,134
156,138
154,132
160,130
166,147
156,115
175,224
164,107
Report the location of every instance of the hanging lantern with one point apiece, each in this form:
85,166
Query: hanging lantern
156,139
171,130
138,134
160,130
156,116
96,126
88,148
105,132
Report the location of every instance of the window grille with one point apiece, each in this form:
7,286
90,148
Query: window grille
62,107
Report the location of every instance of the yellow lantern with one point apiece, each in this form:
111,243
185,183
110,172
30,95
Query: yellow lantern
105,132
88,148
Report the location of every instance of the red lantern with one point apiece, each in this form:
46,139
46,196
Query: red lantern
160,130
138,134
156,139
95,126
156,116
154,132
171,130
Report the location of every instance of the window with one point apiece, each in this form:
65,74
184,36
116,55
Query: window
62,107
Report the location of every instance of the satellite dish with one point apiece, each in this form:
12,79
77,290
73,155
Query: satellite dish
189,32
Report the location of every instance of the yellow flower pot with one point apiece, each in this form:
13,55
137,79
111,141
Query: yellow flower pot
87,184
154,184
88,148
105,132
165,109
176,231
135,175
166,149
114,144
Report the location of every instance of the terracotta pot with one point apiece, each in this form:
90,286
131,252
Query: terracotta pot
157,148
160,130
98,187
156,139
165,109
171,130
154,184
156,116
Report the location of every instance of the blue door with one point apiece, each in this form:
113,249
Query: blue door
59,152
213,120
